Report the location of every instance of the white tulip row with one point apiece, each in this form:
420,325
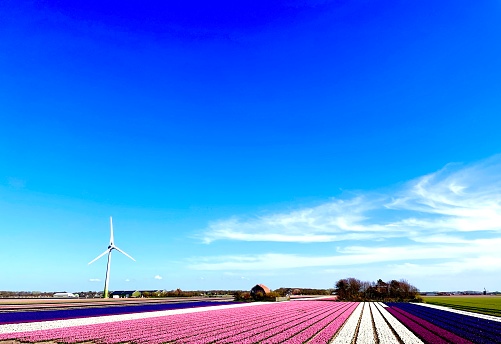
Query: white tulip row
372,317
403,332
477,315
383,330
347,332
365,329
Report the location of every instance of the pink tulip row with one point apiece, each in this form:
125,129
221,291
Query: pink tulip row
331,329
276,327
231,330
325,329
299,329
293,322
146,326
348,331
272,323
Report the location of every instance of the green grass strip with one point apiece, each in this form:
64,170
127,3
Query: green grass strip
490,305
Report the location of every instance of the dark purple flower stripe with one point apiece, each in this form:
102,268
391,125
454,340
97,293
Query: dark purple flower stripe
449,336
477,330
426,335
242,325
30,316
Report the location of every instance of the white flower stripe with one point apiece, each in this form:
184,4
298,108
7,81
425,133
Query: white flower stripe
345,336
366,330
383,330
403,332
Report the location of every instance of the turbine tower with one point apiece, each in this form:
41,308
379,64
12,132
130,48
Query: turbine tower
110,248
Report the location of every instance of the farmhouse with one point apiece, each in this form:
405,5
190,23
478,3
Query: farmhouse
382,287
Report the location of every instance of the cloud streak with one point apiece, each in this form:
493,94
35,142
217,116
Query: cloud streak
485,250
333,221
452,200
450,219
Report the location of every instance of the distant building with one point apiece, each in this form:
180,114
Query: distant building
124,294
382,287
65,295
259,291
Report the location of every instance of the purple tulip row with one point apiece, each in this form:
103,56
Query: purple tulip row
475,329
46,315
294,322
427,331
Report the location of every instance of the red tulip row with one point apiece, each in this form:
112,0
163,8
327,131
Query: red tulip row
293,322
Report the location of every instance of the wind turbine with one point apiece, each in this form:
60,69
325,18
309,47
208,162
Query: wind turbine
110,248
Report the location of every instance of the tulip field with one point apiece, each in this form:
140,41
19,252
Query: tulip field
309,321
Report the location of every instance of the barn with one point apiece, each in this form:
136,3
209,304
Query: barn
259,291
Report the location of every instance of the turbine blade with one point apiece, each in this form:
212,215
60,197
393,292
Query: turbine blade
111,230
102,254
119,250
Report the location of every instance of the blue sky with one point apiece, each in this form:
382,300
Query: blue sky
290,144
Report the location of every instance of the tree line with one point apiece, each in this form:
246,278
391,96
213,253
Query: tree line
352,289
280,292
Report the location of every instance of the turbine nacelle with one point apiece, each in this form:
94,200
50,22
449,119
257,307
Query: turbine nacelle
111,246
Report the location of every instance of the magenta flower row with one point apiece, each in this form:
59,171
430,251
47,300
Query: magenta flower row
294,322
427,331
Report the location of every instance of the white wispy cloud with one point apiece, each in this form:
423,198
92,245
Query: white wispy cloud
355,255
158,277
452,217
452,200
94,280
333,221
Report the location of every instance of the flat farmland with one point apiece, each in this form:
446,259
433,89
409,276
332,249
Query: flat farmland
28,310
61,302
305,321
490,305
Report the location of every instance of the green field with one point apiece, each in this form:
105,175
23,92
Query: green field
490,305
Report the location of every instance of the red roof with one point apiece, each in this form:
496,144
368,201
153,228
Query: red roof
265,288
